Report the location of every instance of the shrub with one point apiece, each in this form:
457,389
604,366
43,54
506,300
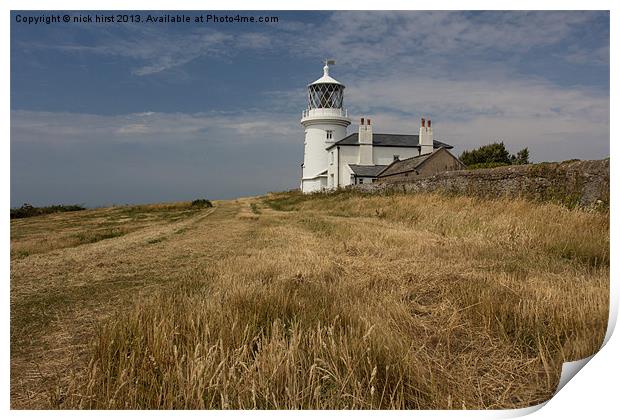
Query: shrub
202,202
494,153
255,208
27,210
522,158
490,153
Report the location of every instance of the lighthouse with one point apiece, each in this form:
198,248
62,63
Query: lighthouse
325,122
333,159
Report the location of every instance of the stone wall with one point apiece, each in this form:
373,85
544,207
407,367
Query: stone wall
572,183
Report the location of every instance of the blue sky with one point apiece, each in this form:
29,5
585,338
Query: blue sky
120,113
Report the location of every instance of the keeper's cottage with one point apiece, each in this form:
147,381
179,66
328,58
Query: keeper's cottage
334,159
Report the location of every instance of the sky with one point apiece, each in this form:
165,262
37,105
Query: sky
124,113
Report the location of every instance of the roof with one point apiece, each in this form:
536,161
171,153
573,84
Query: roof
389,140
326,78
405,165
411,164
367,170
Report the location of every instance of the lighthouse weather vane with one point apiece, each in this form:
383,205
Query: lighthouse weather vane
328,62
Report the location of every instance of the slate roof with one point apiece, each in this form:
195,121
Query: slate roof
389,140
367,170
411,164
405,165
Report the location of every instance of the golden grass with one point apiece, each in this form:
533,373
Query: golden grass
343,301
54,231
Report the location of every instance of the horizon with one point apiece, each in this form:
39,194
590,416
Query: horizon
134,114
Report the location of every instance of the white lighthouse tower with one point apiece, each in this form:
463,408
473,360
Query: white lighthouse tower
325,121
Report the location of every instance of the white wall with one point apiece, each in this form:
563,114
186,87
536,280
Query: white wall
385,155
426,140
315,143
365,154
312,185
365,147
350,155
315,155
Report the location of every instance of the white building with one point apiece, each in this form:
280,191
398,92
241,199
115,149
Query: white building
334,159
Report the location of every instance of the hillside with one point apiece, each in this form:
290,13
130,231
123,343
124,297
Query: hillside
287,301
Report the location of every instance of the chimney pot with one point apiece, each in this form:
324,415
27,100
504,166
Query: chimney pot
422,122
362,121
368,120
429,123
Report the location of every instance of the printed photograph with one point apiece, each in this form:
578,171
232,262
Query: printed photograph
315,210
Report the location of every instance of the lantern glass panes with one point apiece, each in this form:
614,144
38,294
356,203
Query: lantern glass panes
325,95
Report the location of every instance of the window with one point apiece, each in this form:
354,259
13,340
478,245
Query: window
329,134
361,180
331,158
331,180
325,95
396,157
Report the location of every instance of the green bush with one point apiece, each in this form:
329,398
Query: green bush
27,210
522,158
494,153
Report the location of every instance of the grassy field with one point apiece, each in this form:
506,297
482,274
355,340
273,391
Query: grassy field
289,301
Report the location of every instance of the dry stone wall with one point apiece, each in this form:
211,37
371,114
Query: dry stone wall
572,183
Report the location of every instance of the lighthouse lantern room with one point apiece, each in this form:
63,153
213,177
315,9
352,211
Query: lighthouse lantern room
325,121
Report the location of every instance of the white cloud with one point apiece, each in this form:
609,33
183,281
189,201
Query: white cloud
155,49
502,97
593,56
133,129
152,127
355,38
367,38
556,123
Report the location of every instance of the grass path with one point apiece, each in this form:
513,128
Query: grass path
58,297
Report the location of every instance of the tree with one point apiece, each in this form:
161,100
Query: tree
494,153
522,158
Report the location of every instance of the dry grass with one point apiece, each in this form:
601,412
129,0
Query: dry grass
55,231
341,301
